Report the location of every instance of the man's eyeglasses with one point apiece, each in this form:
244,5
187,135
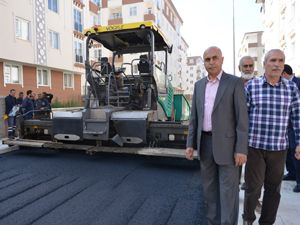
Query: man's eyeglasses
248,65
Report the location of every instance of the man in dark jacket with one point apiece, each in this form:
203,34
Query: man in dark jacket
43,107
28,106
292,164
10,102
20,98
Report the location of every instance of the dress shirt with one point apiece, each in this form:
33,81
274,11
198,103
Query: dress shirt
209,100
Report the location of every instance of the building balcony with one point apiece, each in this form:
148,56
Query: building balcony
125,2
93,7
78,3
115,21
78,35
149,17
252,45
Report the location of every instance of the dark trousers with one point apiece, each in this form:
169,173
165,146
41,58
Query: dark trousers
293,165
263,168
11,126
220,187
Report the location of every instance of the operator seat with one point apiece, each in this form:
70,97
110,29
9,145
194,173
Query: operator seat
143,65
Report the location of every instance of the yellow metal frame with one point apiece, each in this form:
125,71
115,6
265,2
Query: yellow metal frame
126,26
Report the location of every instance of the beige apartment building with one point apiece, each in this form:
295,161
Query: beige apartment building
164,14
42,47
252,45
281,20
195,71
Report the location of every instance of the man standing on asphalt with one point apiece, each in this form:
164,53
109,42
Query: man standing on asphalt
272,102
246,67
292,165
10,102
218,129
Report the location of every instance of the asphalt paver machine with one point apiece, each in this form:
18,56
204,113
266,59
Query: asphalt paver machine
130,107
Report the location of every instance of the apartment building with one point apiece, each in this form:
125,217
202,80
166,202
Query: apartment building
179,79
42,47
252,45
195,71
281,20
163,13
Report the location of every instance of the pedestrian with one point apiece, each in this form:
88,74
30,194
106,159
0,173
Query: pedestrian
292,164
272,102
28,106
20,98
48,96
42,107
246,67
10,112
218,130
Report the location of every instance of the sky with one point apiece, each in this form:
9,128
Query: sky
210,23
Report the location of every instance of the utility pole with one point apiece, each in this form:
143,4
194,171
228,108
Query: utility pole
233,34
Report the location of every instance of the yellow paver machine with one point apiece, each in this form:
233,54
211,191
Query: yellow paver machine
130,104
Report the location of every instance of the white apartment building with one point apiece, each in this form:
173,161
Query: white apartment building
179,80
252,45
282,28
42,47
195,71
165,16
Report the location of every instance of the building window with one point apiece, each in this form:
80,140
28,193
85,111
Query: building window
22,29
149,10
78,51
53,6
95,20
54,39
12,74
68,80
159,4
135,69
133,11
97,2
98,54
77,20
116,15
43,77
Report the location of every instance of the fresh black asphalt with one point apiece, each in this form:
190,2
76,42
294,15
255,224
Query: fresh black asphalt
72,188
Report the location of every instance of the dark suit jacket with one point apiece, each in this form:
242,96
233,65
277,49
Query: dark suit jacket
297,81
229,119
291,133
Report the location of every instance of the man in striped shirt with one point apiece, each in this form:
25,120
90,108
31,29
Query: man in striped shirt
272,101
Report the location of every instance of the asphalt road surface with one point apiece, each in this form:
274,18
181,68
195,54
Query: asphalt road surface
72,188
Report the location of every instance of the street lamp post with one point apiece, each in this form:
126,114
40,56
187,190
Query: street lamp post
233,34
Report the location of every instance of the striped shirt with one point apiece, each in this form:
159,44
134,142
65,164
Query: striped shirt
270,108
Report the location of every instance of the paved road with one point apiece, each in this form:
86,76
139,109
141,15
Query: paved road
70,188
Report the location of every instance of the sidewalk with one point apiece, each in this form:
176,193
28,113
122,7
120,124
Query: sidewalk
289,207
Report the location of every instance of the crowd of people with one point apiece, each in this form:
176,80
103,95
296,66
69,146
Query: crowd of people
29,107
252,120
